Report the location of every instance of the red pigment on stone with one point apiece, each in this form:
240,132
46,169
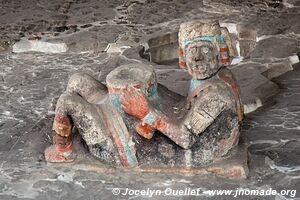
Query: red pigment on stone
224,61
234,173
180,52
182,64
62,120
223,50
145,130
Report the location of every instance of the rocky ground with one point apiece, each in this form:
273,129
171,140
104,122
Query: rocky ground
95,37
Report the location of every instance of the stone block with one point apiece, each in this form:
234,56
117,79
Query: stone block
294,59
85,42
246,34
275,47
39,46
163,49
255,88
164,54
233,165
278,68
246,47
176,80
163,40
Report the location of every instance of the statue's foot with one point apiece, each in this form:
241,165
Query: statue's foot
144,130
53,155
62,125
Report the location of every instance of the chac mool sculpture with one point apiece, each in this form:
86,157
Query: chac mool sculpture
134,121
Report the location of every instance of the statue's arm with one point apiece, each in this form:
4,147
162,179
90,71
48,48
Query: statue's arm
202,114
204,111
176,132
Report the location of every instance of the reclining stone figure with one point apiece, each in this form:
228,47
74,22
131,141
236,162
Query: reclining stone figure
134,121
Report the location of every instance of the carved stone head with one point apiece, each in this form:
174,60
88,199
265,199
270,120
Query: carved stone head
203,48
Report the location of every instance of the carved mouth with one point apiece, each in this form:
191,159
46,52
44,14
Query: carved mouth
199,69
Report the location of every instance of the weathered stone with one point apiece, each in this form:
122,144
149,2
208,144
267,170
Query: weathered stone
94,40
116,48
275,47
294,59
131,121
176,80
163,40
164,54
232,166
3,46
246,34
39,46
162,49
246,47
278,68
255,89
230,36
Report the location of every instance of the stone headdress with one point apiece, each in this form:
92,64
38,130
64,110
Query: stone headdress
194,31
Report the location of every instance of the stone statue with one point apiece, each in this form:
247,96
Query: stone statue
134,121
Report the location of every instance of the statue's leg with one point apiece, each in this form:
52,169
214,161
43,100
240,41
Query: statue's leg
87,87
73,109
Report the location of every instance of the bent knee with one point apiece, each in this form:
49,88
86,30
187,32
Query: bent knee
68,99
78,79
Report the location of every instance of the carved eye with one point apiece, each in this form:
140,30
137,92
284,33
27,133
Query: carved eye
193,50
205,50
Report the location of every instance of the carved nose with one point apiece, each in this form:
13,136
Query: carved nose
199,56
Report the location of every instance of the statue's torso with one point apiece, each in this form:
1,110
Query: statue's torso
215,141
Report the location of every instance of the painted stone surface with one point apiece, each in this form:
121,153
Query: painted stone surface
134,121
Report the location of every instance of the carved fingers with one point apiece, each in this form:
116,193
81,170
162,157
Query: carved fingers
204,112
135,104
198,121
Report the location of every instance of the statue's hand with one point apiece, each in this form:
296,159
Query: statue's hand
135,104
